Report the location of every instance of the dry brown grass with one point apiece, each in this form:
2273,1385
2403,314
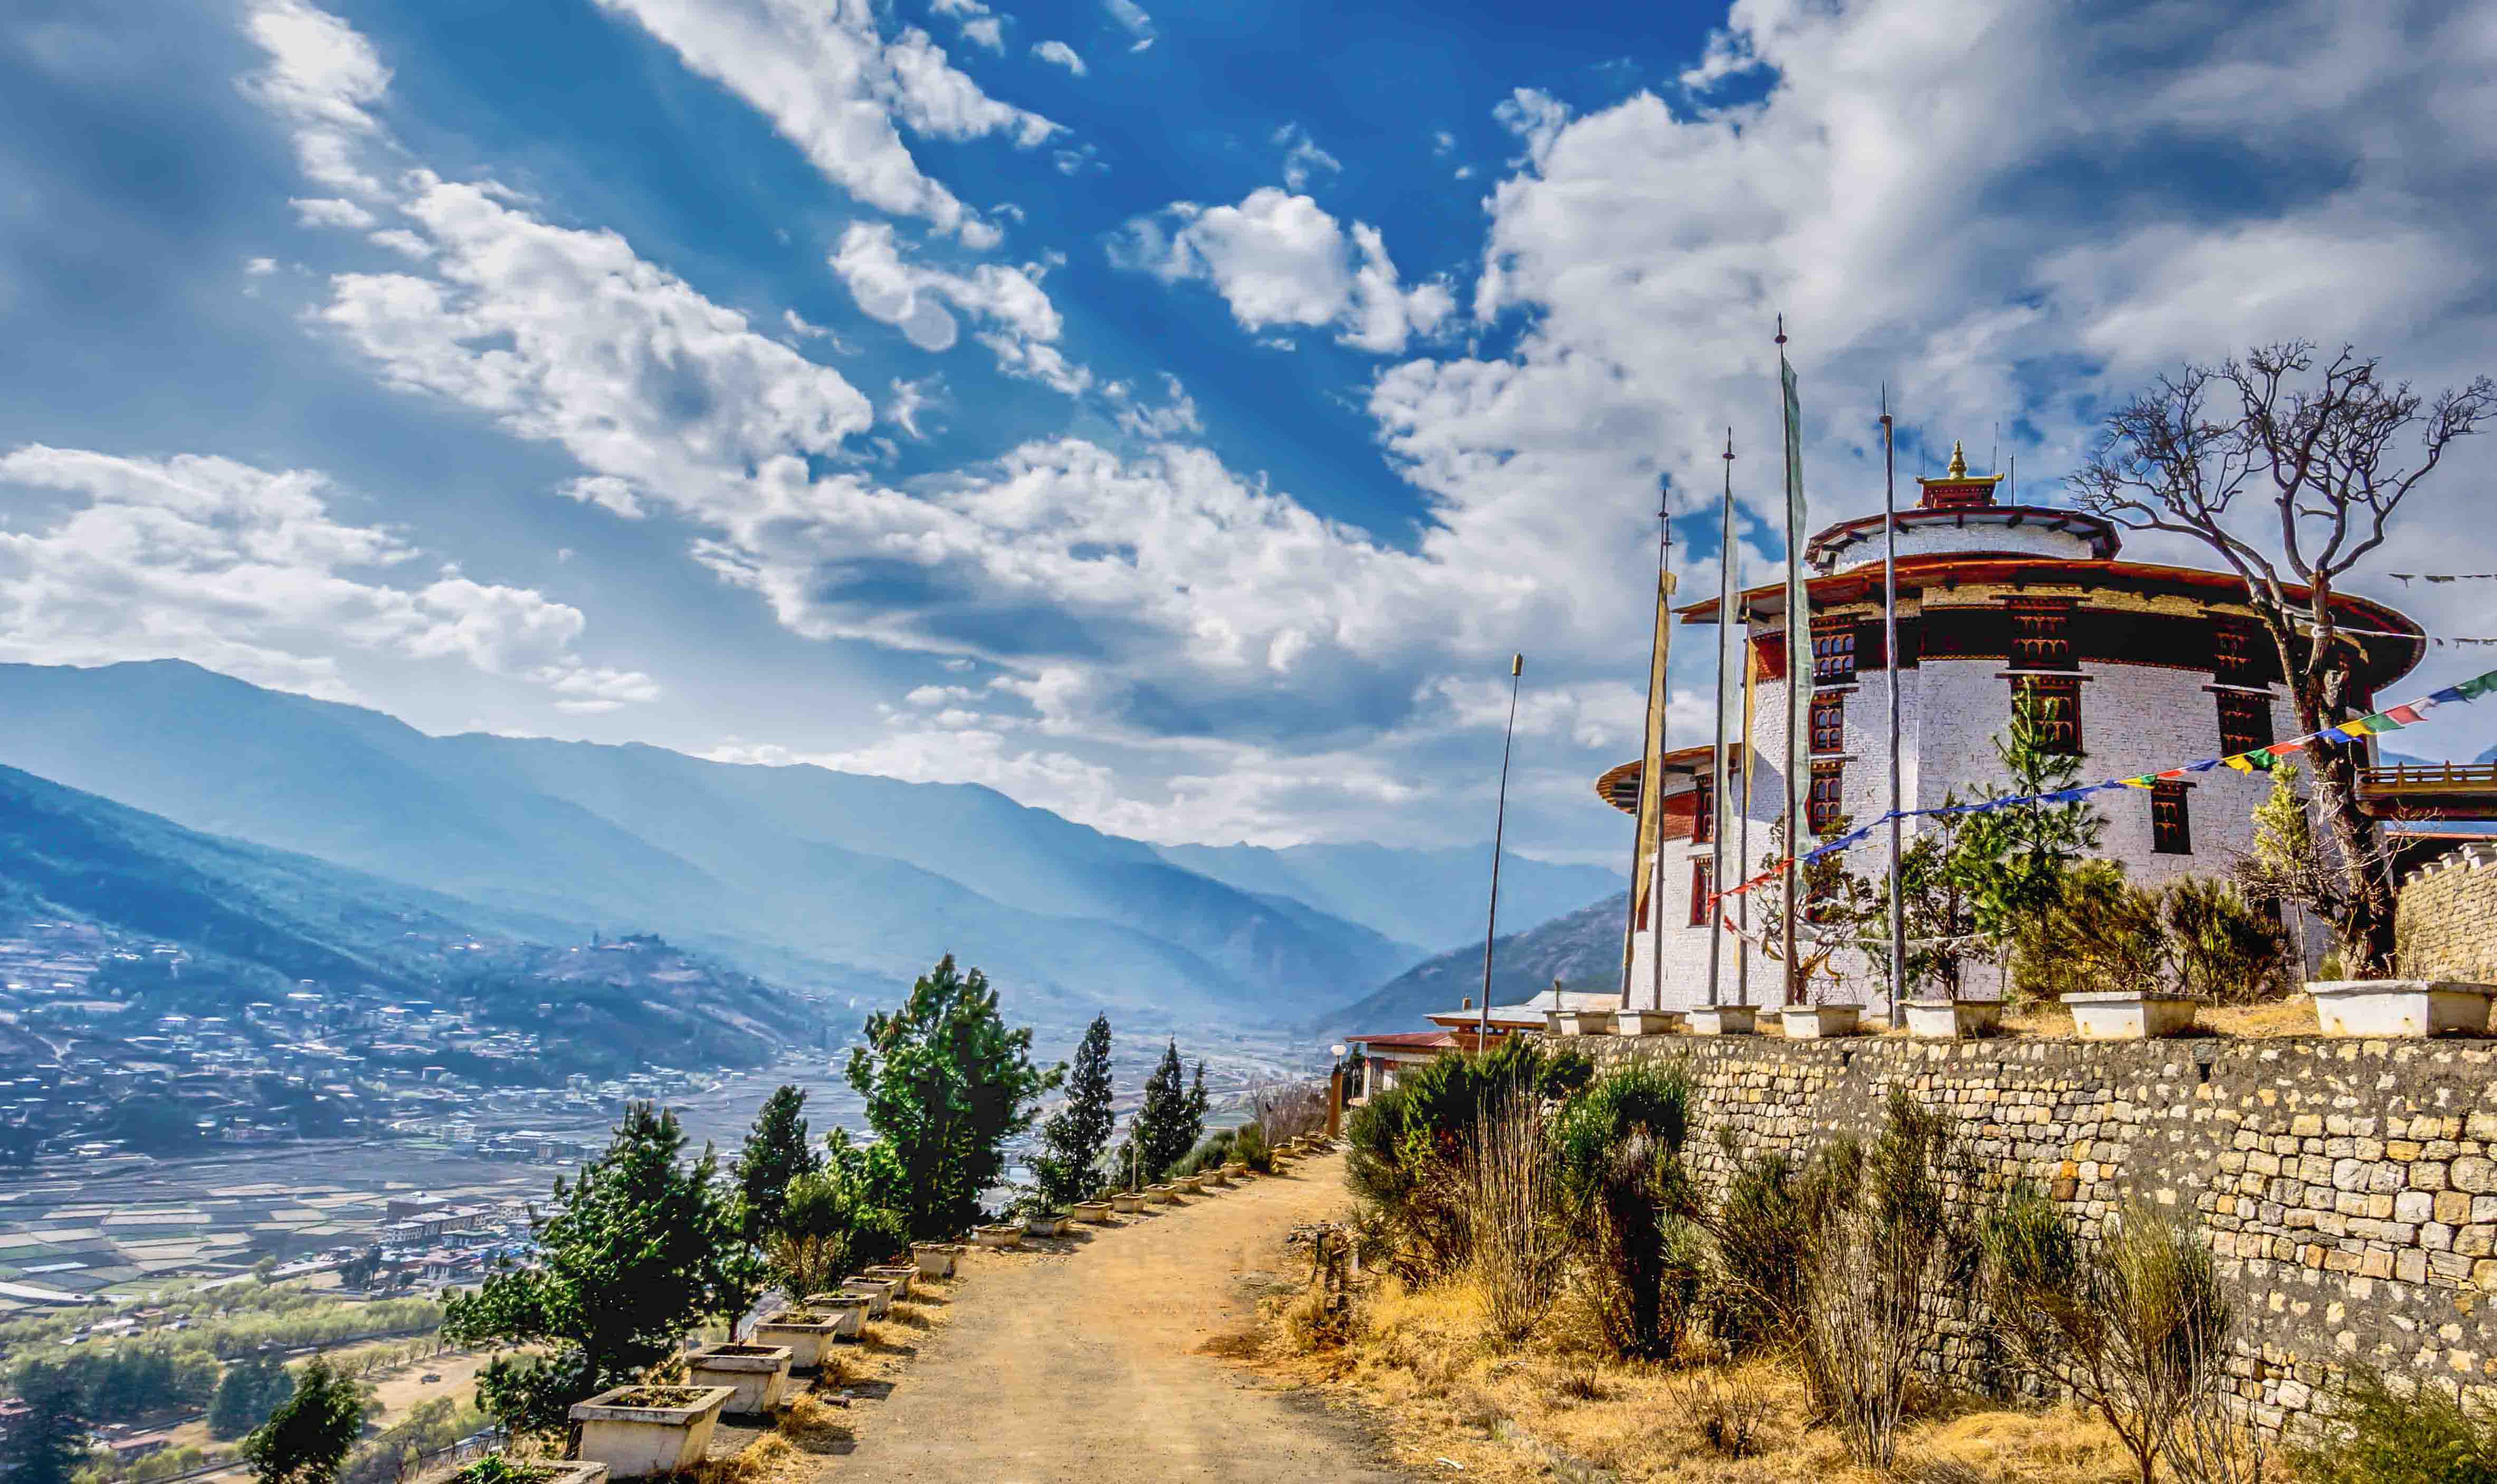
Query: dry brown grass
2291,1017
1424,1362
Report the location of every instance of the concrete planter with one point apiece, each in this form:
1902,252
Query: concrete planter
2119,1015
1160,1195
1721,1019
1646,1022
1190,1185
1953,1019
1002,1236
635,1440
848,1311
556,1473
1095,1212
757,1376
2401,1008
1127,1203
879,1293
1236,1169
897,1272
1043,1226
1815,1022
806,1339
1212,1180
1581,1022
935,1259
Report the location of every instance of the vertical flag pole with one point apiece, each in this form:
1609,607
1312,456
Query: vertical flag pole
1743,825
1891,663
1656,882
1718,790
1798,617
1498,833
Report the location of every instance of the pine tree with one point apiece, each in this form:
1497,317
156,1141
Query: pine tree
1196,1104
775,1153
309,1437
45,1444
630,1259
1164,1135
1075,1135
946,1086
249,1391
2012,862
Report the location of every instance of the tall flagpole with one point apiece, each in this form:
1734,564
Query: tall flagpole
1656,882
1891,663
1743,825
1717,751
1498,833
1798,646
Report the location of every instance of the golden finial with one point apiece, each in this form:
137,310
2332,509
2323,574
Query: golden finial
1959,461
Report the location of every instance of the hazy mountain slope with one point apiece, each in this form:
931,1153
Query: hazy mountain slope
256,921
633,839
1582,950
1433,897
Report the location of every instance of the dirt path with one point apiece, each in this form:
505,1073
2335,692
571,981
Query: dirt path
1082,1365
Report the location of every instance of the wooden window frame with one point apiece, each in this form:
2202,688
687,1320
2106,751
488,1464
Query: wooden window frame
2232,655
1828,723
2062,722
1702,882
2042,633
1833,652
1703,812
2245,721
2171,818
1826,803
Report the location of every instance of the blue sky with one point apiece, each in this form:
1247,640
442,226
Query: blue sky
1171,416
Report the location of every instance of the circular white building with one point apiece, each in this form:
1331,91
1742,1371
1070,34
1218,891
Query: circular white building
2140,668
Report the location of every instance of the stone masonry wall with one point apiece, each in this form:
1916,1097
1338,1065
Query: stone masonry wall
2447,925
2347,1188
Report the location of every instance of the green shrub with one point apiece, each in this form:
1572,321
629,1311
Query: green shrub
1762,1230
1212,1152
2378,1437
1618,1148
1249,1147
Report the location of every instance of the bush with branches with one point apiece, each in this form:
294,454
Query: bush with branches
1624,1189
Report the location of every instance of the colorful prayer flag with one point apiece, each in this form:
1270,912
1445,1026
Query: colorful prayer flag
2407,716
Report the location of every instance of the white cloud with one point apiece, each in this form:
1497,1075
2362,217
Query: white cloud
1282,259
988,31
607,492
1174,418
323,76
910,398
829,81
1131,15
260,268
913,299
247,571
1302,156
330,212
1062,55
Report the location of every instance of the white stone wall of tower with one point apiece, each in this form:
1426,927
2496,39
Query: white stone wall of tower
1938,539
2134,718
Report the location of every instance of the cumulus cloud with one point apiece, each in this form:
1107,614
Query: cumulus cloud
1060,54
833,85
323,75
1131,15
1282,259
914,299
248,571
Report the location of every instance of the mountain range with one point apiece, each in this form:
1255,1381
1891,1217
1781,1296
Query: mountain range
1581,949
833,880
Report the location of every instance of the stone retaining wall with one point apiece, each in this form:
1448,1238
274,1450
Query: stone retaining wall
2446,924
2349,1189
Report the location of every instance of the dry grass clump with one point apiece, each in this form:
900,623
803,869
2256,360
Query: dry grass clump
767,1460
812,1425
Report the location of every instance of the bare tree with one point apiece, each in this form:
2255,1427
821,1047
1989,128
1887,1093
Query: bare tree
2293,475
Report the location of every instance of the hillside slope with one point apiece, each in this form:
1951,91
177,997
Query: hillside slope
1582,949
1433,897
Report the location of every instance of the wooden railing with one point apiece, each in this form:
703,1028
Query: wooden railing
2429,778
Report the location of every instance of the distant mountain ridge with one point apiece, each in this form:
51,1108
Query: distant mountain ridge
261,920
801,873
1582,949
1434,898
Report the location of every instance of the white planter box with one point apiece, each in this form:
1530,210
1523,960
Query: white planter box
1127,1202
879,1293
2401,1007
2119,1015
1581,1022
757,1375
1095,1212
1236,1169
935,1259
1160,1195
807,1341
1002,1235
1042,1226
898,1274
1813,1023
1212,1180
1953,1019
1721,1019
636,1443
1646,1022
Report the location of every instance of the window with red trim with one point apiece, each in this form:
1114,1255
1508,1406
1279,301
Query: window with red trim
1702,882
1833,655
2171,828
1829,723
1704,813
1822,805
2057,699
2042,636
2245,721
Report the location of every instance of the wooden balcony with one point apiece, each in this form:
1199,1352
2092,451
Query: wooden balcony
2430,791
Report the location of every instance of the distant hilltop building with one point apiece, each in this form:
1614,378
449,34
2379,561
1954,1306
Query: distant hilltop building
2135,668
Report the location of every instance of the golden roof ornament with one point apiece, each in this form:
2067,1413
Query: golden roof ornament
1959,461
